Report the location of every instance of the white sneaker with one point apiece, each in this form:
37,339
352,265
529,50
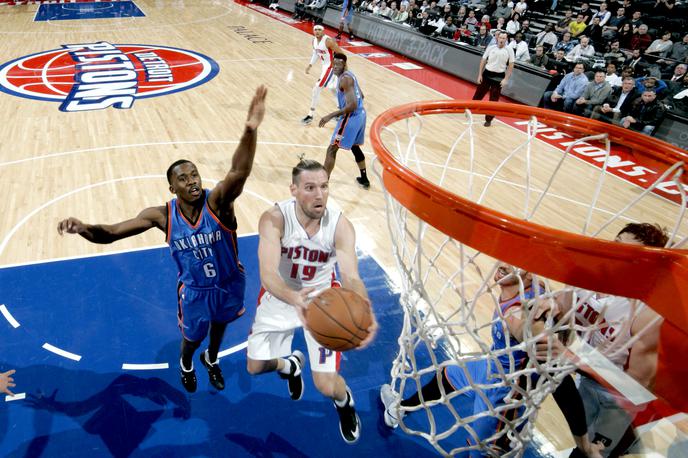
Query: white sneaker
273,6
389,399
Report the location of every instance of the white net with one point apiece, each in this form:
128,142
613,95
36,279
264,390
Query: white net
469,318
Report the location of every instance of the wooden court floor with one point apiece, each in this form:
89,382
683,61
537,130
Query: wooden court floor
105,165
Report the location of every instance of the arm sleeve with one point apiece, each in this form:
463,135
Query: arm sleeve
570,402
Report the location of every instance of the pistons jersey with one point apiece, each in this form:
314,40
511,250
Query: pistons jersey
205,252
324,53
307,262
609,320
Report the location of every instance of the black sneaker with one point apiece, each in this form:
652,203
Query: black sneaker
189,379
295,378
363,182
349,423
214,372
487,123
338,36
307,120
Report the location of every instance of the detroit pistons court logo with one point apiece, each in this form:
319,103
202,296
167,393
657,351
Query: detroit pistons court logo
95,76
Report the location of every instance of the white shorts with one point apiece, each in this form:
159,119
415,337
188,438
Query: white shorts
273,331
327,78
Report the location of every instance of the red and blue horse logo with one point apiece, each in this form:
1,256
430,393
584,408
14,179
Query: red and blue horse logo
94,76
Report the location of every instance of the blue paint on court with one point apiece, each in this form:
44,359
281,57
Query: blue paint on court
99,10
121,308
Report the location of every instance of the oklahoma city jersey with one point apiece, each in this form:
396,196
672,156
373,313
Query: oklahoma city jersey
612,318
341,95
307,262
205,253
499,337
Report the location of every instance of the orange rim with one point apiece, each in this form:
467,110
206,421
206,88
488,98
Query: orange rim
658,277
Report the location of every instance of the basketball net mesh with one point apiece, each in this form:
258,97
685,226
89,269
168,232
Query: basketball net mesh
451,301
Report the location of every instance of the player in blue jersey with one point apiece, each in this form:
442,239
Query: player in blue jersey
351,120
200,227
516,288
346,17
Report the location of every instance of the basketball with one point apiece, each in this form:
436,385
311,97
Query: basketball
338,319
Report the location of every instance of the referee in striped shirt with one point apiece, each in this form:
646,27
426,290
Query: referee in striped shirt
495,70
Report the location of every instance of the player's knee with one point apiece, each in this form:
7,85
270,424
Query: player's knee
358,154
325,383
255,367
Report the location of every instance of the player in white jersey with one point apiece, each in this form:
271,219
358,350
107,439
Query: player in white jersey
301,240
611,323
324,48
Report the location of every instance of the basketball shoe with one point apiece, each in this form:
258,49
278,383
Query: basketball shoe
307,120
295,378
214,372
349,423
363,182
388,398
188,378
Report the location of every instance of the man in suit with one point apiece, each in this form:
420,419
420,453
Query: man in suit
618,104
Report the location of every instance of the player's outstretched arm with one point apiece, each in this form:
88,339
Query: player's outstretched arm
270,229
231,187
108,233
345,243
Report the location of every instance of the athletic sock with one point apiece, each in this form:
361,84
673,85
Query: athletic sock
364,174
288,367
181,363
343,403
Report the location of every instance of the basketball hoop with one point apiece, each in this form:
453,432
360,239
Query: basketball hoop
447,239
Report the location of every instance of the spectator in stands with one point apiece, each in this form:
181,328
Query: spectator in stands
578,26
568,91
677,97
503,10
566,44
500,26
520,7
679,50
446,11
563,25
539,59
646,113
650,83
463,35
461,15
637,62
300,9
582,51
526,30
594,31
514,25
636,20
663,8
484,38
603,14
490,8
586,12
618,104
384,11
661,46
401,16
520,48
612,77
471,21
679,73
449,28
614,55
433,10
611,28
595,93
625,35
485,21
559,63
424,24
394,11
547,36
315,10
613,7
641,39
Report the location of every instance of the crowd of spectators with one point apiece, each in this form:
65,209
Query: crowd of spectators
613,41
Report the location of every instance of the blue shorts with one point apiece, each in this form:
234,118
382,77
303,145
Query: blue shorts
484,373
350,130
197,308
347,15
